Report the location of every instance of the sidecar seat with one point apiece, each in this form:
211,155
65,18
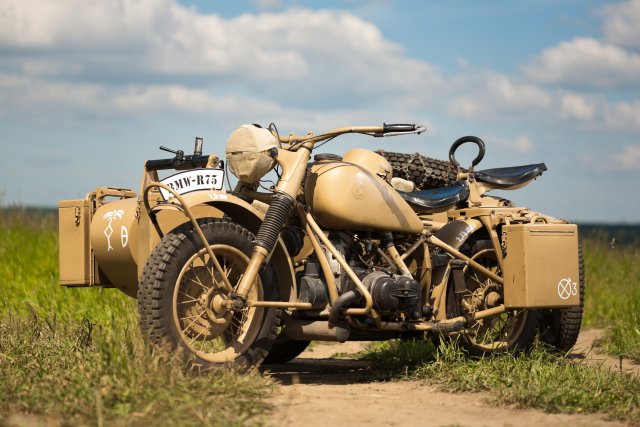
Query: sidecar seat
514,175
437,199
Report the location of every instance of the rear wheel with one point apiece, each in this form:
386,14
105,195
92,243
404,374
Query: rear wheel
181,298
285,349
510,331
561,326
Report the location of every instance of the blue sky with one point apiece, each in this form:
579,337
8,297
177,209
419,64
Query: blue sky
89,90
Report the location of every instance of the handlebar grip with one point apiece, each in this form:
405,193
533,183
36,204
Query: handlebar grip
399,127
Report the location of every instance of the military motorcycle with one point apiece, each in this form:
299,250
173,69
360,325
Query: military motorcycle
335,250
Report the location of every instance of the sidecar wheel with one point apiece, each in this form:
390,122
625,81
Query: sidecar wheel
560,327
180,293
511,331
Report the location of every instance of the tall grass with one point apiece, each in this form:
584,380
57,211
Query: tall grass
77,355
612,297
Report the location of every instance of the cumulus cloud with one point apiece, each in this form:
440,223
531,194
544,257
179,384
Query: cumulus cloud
577,107
622,116
297,54
520,143
492,95
621,24
128,58
628,158
585,62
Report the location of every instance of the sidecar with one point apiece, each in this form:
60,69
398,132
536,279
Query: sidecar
107,237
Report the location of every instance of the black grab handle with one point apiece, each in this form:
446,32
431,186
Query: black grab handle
462,140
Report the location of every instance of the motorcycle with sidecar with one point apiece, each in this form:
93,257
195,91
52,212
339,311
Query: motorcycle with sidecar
337,249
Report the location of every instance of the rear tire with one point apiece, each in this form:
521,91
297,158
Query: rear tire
560,327
180,292
285,349
512,331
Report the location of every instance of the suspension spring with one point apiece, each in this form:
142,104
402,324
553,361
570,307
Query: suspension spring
274,220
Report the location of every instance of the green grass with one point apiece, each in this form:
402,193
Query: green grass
612,297
539,379
77,355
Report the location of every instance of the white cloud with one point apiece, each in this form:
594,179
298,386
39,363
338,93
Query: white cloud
628,158
577,107
623,116
622,23
490,95
130,58
585,62
521,143
298,54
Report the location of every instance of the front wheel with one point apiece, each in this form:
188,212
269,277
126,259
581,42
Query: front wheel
181,297
510,331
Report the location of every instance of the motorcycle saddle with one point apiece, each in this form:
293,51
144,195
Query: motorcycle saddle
512,175
437,198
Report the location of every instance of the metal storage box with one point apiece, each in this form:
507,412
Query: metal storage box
76,263
541,266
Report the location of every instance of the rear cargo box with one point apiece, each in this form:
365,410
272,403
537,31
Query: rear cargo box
541,266
76,261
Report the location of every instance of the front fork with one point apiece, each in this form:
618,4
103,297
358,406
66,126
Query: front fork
266,239
294,166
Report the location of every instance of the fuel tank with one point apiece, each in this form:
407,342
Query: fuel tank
353,194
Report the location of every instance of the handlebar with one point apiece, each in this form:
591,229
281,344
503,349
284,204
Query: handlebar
375,131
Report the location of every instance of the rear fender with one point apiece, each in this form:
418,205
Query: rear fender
454,234
247,216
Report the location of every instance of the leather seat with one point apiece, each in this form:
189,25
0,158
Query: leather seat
436,199
513,175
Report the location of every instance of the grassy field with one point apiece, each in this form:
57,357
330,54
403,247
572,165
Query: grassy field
612,299
77,354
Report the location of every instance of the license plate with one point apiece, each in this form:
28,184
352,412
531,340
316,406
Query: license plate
193,180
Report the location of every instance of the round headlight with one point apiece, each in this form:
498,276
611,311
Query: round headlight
247,152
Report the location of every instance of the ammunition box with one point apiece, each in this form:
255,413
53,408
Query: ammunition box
541,266
76,261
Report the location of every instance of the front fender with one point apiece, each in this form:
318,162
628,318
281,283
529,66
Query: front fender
247,216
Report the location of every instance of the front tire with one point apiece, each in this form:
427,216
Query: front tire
181,296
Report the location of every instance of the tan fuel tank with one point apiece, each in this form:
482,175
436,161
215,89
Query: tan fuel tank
114,240
346,196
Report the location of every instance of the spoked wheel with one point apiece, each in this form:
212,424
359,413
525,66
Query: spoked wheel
182,299
509,331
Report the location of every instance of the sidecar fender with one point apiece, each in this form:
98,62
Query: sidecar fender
249,217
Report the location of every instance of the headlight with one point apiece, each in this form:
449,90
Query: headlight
247,152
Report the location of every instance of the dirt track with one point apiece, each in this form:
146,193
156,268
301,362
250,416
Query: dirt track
319,390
